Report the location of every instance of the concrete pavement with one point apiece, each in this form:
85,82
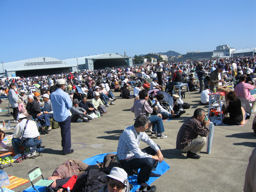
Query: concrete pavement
223,170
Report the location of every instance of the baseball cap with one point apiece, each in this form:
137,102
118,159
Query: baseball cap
61,81
45,95
119,174
21,116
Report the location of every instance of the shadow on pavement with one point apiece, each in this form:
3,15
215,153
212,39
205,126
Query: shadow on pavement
52,151
126,109
115,134
114,131
248,135
173,154
248,144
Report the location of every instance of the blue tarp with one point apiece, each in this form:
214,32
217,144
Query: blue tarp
161,169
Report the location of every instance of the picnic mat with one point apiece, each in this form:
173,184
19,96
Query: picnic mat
16,182
8,139
161,169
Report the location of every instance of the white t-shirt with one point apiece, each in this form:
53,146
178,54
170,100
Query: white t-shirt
205,96
30,132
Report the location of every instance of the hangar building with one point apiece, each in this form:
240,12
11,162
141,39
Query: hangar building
49,65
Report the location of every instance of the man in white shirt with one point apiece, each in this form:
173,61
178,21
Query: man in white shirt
132,157
26,134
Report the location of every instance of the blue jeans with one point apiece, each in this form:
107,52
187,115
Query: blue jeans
111,95
32,143
104,98
157,124
47,117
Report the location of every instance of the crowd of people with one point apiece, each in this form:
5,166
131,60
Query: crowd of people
157,90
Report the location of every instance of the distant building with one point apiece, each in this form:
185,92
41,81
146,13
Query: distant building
164,57
244,53
223,51
49,65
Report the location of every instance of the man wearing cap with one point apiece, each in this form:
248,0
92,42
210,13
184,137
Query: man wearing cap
216,79
61,105
130,155
117,181
26,134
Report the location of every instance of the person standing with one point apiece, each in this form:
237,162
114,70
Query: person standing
13,99
61,105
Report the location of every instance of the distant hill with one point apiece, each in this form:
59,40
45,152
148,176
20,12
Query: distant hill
170,53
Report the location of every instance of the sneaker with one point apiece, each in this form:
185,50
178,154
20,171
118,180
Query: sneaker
146,187
49,128
107,105
112,103
192,155
162,136
31,155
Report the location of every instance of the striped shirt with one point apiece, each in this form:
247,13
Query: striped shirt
129,141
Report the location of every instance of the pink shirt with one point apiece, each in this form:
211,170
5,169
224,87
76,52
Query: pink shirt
243,90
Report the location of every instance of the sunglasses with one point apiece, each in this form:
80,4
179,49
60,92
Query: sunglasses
116,183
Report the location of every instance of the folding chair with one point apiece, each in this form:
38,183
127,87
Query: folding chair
34,174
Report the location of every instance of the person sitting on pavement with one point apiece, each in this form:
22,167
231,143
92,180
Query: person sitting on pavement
79,114
242,91
117,181
2,135
205,96
132,158
191,137
88,106
47,112
33,107
26,135
97,103
234,109
142,107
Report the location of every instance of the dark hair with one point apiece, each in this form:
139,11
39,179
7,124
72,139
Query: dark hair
231,96
160,97
143,94
242,78
84,96
198,112
141,120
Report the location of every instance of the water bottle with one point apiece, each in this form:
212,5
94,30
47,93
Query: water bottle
210,138
4,179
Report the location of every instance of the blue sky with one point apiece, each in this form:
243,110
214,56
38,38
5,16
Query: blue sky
72,28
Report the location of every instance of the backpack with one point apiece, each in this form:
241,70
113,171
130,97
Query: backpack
186,106
92,180
109,161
